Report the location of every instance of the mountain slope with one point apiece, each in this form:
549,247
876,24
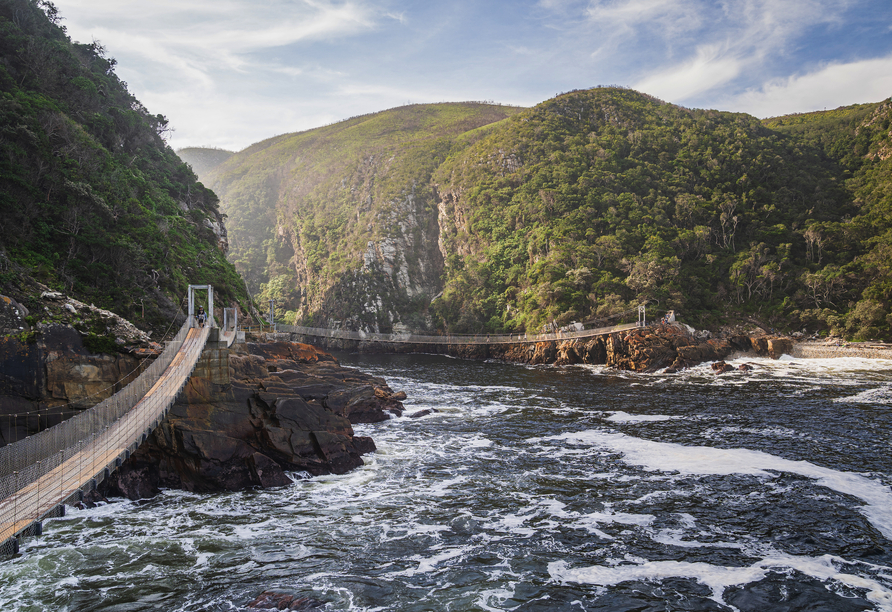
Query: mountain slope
596,200
853,294
575,210
203,160
339,223
93,202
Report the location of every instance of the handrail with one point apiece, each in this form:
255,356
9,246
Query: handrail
60,459
410,338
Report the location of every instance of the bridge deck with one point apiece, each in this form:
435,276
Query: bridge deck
36,499
408,338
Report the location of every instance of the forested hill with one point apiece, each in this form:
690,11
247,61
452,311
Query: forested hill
202,159
340,223
598,199
93,202
574,210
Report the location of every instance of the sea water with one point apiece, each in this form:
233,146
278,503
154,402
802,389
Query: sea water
530,488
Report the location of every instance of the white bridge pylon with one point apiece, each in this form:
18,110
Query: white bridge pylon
58,465
210,290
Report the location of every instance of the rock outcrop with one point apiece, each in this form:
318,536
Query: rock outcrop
283,600
278,408
669,347
51,376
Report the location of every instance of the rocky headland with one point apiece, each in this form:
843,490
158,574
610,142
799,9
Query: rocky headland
248,415
252,413
670,348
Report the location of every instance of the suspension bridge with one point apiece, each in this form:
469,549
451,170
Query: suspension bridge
42,473
570,333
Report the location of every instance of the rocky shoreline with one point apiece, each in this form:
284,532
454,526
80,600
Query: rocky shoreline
670,347
250,415
253,413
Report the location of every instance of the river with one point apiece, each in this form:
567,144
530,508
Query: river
530,489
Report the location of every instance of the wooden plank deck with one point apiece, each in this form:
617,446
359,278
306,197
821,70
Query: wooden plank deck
34,501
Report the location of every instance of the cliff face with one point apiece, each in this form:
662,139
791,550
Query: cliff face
247,416
51,371
339,224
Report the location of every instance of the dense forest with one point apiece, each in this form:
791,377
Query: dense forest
339,223
600,199
575,210
92,200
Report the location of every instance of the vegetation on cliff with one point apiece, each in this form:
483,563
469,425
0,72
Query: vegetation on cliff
849,288
596,200
93,201
339,223
574,210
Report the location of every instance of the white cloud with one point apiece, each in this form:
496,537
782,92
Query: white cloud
834,85
708,69
632,13
698,47
212,33
232,72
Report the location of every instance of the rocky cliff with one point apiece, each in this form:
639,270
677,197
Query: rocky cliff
250,415
340,223
66,357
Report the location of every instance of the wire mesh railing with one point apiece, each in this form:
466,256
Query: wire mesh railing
81,447
412,338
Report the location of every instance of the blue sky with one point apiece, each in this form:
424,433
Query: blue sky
228,73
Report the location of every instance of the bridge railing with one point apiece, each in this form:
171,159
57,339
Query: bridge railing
26,461
409,338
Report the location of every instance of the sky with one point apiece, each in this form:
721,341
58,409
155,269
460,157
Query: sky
229,73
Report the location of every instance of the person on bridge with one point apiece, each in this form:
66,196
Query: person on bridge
201,316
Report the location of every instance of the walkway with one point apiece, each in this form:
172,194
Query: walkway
57,465
409,338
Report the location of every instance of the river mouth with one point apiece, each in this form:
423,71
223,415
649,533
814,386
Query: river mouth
530,488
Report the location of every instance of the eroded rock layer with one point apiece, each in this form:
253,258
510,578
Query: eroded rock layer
269,409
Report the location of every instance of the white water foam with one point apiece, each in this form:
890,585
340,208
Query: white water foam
624,417
878,395
718,578
703,460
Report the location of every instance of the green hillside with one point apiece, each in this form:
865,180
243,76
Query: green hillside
616,198
853,292
93,202
340,223
574,210
202,159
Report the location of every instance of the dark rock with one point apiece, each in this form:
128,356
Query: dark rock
421,413
720,367
91,499
366,404
364,444
745,367
253,429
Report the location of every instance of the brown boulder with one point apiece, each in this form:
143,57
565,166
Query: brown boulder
279,600
720,367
